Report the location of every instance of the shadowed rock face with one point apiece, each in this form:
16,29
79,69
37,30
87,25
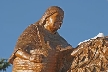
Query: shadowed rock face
90,56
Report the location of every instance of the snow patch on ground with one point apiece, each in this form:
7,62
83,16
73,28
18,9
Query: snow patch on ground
99,35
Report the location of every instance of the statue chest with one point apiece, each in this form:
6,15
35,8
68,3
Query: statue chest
51,41
54,41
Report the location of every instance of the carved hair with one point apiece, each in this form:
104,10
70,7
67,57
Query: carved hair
50,11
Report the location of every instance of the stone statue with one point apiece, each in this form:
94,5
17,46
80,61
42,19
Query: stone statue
40,48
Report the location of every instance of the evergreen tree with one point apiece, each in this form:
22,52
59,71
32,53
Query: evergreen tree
3,64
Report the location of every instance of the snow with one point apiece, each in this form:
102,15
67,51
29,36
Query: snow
99,35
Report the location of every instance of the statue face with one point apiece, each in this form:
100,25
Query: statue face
54,22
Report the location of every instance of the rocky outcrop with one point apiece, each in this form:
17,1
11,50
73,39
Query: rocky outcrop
90,56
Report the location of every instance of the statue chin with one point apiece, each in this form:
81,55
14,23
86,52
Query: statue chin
54,30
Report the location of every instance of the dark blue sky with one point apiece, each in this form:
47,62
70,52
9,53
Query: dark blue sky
83,19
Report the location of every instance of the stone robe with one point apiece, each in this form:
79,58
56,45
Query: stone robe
47,47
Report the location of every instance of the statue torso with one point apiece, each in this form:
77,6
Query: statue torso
44,44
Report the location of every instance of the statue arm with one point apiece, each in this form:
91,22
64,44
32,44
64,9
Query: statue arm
19,53
22,54
25,55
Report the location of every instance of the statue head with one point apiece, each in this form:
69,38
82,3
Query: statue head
52,18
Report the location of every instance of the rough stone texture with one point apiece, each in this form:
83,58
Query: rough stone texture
41,49
49,58
90,56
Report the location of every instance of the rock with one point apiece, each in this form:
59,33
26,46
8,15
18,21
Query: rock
99,35
90,56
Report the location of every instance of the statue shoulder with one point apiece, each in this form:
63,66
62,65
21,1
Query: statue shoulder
29,34
24,39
